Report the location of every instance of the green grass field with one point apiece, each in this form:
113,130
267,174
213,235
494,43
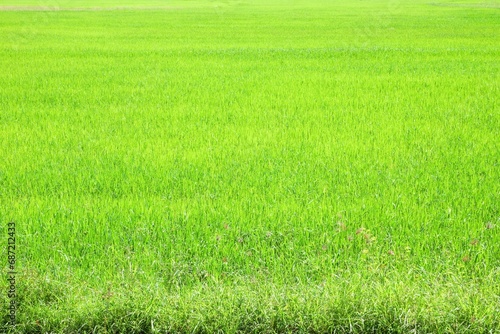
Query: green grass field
247,166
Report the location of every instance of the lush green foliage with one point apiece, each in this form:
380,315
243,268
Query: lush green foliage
195,166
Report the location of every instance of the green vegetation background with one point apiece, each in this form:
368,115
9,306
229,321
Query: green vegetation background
202,166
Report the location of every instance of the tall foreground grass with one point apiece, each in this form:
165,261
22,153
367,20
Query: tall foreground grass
242,166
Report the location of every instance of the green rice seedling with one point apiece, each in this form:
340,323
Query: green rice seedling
251,166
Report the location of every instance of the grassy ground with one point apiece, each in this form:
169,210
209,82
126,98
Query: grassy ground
203,166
